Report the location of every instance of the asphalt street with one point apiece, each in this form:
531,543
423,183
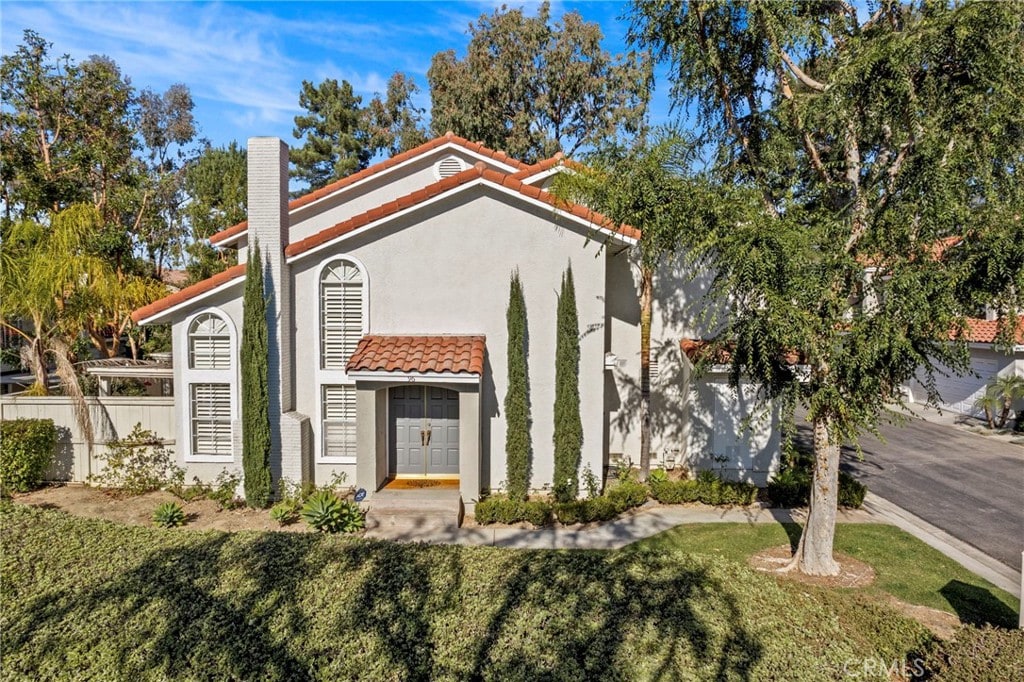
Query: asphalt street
967,485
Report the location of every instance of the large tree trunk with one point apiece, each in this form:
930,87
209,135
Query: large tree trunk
646,297
814,552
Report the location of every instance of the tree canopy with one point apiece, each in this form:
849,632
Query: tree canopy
852,150
531,88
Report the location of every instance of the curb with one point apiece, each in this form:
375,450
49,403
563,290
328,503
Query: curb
971,558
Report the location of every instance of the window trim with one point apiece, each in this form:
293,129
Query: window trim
334,377
228,375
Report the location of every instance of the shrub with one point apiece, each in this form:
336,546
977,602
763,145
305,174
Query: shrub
976,654
590,482
851,491
137,464
501,509
675,492
26,452
225,490
169,515
657,476
587,511
188,493
707,489
627,495
325,512
792,488
286,511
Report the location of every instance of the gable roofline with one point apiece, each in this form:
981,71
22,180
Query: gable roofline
547,167
190,295
232,234
478,174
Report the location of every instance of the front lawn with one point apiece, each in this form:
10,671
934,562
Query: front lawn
90,599
905,567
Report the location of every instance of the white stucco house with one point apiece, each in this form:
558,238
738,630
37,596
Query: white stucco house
387,293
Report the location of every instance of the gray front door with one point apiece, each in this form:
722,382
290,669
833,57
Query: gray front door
424,430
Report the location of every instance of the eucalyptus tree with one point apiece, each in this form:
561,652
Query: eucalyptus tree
851,142
532,88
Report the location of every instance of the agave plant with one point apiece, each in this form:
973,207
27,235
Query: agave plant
328,514
169,515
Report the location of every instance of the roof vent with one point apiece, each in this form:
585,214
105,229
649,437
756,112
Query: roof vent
449,166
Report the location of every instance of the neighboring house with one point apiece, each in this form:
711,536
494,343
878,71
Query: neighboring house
388,291
960,393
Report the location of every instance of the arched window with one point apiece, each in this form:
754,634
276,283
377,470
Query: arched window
209,382
341,313
209,343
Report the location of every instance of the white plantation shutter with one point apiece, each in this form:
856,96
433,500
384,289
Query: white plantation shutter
209,343
211,419
341,306
339,421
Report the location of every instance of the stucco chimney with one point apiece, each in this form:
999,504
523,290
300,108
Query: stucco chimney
268,224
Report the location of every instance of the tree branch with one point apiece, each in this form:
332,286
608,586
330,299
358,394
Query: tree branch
799,73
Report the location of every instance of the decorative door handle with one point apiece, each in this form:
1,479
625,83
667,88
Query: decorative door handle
425,437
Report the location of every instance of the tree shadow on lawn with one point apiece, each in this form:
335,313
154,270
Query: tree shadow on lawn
978,606
292,607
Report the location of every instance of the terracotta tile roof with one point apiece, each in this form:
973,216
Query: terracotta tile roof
185,294
541,166
448,354
986,331
449,183
448,137
697,349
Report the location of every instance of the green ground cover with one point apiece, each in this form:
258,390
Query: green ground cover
905,567
88,599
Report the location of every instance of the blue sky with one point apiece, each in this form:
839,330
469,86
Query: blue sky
245,61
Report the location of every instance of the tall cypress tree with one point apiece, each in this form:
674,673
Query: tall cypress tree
517,400
568,436
255,389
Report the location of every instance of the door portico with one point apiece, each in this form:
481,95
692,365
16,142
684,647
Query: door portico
413,420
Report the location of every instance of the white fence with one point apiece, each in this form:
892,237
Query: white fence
112,417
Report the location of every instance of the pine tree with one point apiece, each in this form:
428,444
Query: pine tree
568,427
255,389
517,400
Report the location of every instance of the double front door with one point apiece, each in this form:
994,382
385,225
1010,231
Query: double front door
424,431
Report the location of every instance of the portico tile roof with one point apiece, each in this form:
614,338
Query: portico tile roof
422,354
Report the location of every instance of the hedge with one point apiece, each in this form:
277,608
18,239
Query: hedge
501,509
604,508
705,491
792,488
26,452
84,599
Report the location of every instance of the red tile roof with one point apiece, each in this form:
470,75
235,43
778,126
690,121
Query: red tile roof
696,349
476,147
208,284
558,159
447,354
986,331
449,183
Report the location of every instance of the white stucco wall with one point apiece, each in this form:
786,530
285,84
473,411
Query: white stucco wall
445,269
